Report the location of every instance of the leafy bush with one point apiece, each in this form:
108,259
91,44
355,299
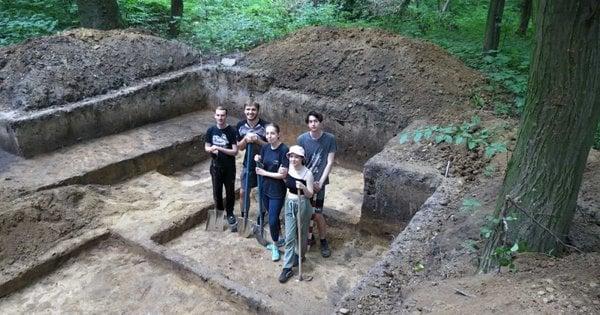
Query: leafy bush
23,19
469,133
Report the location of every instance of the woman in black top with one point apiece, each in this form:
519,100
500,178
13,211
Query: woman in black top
274,168
299,182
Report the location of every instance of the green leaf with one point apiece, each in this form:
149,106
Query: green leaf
427,133
403,138
471,144
448,139
418,136
439,138
459,139
515,248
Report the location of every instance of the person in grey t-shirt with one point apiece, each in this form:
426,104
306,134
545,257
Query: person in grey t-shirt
319,147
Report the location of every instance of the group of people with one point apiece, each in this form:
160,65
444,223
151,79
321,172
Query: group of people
292,178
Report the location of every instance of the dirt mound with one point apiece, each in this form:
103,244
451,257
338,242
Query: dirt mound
30,224
80,63
405,75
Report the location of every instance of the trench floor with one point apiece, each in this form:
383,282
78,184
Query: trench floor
111,279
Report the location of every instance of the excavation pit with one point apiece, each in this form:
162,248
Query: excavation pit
111,278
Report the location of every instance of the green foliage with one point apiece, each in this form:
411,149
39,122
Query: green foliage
150,15
229,25
470,245
23,19
468,133
503,255
489,170
470,205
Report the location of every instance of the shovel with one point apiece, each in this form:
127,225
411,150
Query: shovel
215,220
259,231
245,226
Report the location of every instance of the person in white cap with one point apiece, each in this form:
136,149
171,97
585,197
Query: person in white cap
299,182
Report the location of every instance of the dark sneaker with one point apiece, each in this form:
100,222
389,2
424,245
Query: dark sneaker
232,224
285,275
325,251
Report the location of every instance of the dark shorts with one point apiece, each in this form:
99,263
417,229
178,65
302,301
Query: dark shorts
318,199
252,183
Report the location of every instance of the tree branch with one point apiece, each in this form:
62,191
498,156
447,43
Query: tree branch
511,201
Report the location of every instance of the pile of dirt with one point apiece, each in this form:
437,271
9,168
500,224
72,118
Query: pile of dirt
76,64
32,223
361,66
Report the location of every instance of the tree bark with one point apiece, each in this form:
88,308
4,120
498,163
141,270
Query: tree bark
99,14
492,27
561,113
525,17
176,14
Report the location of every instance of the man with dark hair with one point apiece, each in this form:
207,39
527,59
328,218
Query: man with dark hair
250,132
220,143
319,147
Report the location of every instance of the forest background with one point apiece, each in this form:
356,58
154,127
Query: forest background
227,26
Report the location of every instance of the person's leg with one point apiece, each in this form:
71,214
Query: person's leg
321,224
243,189
307,211
229,190
290,233
275,205
217,183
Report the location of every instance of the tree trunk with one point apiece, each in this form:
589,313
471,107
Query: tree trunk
99,14
176,14
525,17
492,27
556,133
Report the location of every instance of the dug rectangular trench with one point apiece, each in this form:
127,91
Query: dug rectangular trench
359,138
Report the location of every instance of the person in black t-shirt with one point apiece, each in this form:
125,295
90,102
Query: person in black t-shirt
273,170
220,143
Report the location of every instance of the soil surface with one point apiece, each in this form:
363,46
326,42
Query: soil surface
76,64
398,76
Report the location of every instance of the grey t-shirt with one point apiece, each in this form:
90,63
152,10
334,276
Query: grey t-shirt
316,151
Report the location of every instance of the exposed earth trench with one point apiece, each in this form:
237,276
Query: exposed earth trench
115,224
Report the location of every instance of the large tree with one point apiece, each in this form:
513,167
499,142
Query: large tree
176,14
525,16
491,39
99,14
562,110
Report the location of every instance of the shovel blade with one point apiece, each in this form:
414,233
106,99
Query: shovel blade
215,220
245,227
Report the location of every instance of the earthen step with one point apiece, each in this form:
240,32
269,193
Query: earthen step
167,146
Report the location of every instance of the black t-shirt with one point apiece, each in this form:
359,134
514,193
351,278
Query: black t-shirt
224,138
243,128
272,160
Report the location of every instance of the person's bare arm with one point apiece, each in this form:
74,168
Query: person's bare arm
308,188
281,174
327,170
233,151
209,148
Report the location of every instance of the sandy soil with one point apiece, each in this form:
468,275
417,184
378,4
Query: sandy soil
111,280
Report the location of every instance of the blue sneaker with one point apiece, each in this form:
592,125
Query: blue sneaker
275,253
